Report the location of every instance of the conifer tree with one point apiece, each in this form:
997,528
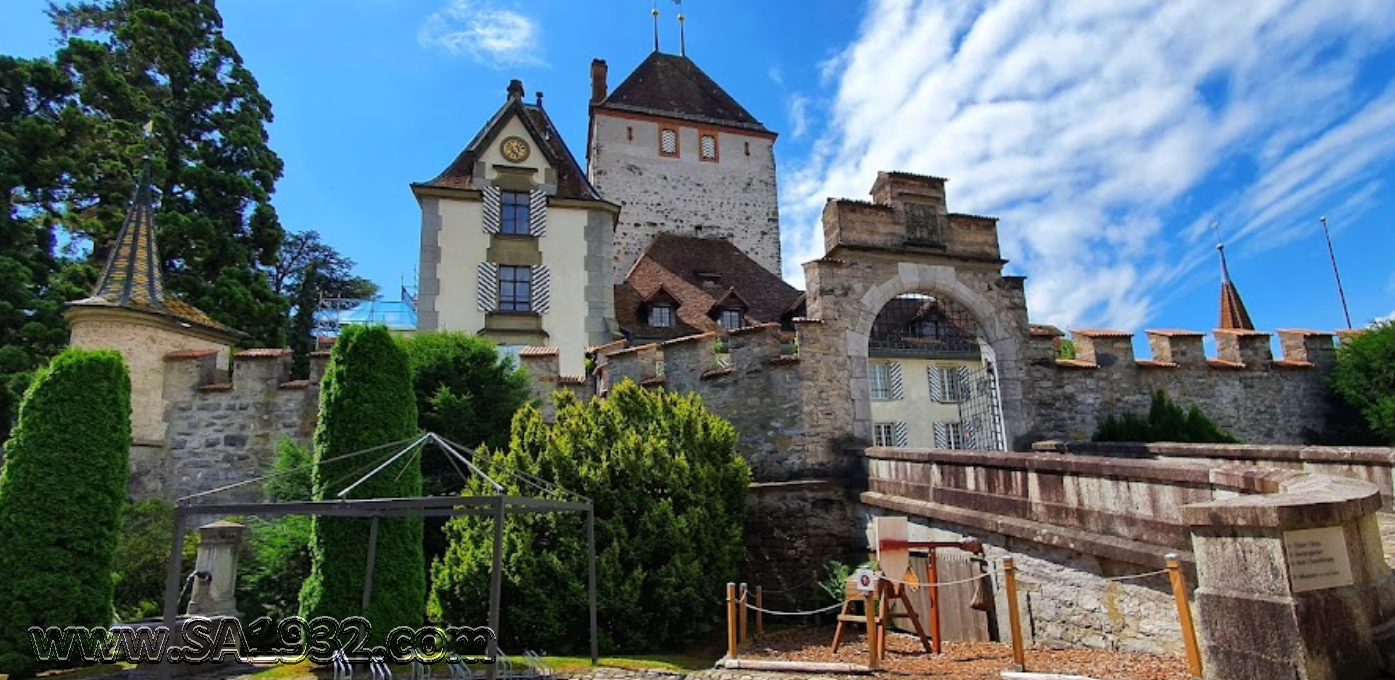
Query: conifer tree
62,489
366,400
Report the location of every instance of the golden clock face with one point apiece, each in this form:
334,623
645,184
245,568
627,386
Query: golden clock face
515,150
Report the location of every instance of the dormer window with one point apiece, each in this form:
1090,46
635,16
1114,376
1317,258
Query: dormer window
668,141
731,319
708,147
513,213
661,315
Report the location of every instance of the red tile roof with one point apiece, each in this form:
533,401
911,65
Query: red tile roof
674,263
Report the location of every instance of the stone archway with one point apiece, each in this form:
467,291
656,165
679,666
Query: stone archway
994,320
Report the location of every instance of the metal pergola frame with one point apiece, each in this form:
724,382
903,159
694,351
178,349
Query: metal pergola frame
499,506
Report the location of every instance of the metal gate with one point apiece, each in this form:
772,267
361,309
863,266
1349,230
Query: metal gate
981,411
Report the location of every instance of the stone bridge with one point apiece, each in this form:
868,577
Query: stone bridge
1080,519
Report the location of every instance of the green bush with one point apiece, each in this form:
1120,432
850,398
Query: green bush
366,400
1365,377
61,496
669,494
142,558
1166,422
467,392
275,561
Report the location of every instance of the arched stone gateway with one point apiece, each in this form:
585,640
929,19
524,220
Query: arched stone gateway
902,245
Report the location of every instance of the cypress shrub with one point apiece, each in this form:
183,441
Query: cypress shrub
366,400
670,496
61,495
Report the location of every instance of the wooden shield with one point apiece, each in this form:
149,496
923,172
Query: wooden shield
893,561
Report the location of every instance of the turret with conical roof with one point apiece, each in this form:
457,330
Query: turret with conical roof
129,311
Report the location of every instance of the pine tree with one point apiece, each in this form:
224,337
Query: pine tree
62,489
168,61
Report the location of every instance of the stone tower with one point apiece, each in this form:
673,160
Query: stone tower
130,313
681,156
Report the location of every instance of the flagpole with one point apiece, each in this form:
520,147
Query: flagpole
1333,255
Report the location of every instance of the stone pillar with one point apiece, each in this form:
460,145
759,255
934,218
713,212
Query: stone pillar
1291,584
214,587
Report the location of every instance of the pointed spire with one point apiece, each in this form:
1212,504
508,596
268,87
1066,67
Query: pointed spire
655,12
682,34
1233,313
132,273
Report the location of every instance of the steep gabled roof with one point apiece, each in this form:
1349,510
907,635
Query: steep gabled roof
571,179
673,86
133,277
1233,313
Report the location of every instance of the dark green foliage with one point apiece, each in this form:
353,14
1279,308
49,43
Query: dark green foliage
1065,349
1365,377
466,392
276,558
366,401
142,557
1343,425
41,134
669,495
169,61
61,495
1166,422
308,271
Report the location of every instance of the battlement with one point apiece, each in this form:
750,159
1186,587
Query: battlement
908,212
1244,388
1236,350
255,373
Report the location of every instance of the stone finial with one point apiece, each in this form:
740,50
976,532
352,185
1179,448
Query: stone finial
1103,348
1250,348
1183,348
516,90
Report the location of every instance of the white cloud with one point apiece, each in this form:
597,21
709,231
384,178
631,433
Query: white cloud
1094,129
799,115
485,32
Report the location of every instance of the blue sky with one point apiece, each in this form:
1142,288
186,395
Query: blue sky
1106,134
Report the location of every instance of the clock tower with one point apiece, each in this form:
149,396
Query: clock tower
515,242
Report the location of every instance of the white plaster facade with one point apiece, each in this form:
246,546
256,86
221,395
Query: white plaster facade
914,404
732,196
574,249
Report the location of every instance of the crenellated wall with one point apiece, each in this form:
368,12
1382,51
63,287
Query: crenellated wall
1244,389
220,433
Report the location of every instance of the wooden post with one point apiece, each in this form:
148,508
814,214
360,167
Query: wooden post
932,577
1014,622
1184,612
731,620
872,641
745,614
760,629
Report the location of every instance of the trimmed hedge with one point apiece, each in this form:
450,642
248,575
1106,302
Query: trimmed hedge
366,400
670,504
61,495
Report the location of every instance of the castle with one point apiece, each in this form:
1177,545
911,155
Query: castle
660,261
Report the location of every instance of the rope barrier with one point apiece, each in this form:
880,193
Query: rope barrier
938,584
811,612
1134,576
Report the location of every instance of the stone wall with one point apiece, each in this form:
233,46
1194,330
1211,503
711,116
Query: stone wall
733,197
221,433
1244,390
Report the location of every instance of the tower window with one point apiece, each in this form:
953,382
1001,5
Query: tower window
661,316
708,147
515,289
630,133
748,148
668,141
513,213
